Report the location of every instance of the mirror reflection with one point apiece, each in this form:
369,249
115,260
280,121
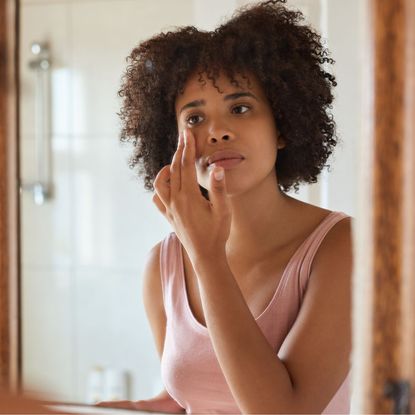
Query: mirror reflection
88,223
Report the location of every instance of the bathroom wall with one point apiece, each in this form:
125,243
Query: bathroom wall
84,250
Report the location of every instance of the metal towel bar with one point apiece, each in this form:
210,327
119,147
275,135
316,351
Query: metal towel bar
40,64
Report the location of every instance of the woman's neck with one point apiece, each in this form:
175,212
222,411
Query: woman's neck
262,220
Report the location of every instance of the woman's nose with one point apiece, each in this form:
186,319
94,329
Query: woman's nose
213,138
219,132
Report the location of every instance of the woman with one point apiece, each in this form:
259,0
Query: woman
249,297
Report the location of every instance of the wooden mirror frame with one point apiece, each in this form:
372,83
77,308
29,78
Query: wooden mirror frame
388,380
391,110
10,341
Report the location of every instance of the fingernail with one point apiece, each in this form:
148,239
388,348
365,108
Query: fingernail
179,140
185,136
219,174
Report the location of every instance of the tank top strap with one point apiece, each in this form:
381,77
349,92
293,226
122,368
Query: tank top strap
290,291
169,269
312,243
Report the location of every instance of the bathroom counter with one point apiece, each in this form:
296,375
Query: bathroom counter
91,409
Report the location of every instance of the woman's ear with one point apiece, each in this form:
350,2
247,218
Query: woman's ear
281,142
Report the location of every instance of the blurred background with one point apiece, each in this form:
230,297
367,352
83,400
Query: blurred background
87,223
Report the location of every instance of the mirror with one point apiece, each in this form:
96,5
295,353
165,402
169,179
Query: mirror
87,223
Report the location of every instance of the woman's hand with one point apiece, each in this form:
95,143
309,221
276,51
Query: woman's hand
202,226
165,405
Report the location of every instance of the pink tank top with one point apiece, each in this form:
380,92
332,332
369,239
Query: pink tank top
189,369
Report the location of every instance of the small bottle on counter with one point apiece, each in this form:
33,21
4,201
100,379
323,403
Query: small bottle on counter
95,385
115,385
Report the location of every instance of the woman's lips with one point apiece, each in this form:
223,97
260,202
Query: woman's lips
226,163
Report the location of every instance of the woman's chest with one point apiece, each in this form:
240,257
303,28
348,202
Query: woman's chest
257,284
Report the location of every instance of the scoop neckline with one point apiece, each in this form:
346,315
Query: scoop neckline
202,327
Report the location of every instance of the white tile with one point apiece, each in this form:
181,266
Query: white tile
100,50
113,217
46,229
113,331
45,22
210,14
99,214
47,332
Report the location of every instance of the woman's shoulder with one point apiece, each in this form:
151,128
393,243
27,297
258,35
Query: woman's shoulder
312,215
336,247
338,235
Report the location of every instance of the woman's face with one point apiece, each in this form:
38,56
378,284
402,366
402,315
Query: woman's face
239,119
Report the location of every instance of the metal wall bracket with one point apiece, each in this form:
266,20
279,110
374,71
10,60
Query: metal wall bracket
400,392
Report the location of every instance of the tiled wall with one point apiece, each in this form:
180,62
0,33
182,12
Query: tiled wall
83,251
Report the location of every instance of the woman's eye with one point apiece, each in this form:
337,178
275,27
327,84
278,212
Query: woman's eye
241,106
192,117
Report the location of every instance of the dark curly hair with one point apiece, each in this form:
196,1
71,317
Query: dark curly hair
265,39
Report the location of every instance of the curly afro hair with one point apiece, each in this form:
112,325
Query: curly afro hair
265,39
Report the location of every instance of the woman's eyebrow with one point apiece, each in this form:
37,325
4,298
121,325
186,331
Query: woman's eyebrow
201,102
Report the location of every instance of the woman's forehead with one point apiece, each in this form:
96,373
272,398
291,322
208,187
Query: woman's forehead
198,84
